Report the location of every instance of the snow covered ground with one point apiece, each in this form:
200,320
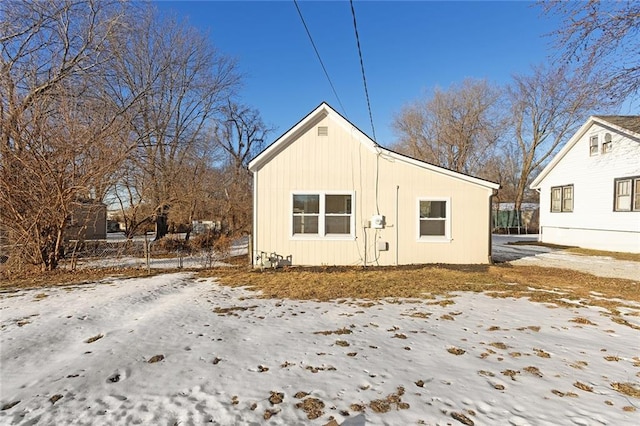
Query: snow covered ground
603,266
175,350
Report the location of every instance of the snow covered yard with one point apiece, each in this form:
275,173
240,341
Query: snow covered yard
177,350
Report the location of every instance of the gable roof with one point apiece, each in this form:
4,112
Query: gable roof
627,124
624,122
324,110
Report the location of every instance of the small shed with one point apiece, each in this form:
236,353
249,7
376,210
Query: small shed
87,221
327,194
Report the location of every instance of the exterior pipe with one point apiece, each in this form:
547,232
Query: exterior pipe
254,247
397,223
493,193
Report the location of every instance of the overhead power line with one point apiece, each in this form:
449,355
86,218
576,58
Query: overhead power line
364,78
344,111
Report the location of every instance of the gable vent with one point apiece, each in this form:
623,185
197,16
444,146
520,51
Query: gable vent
323,131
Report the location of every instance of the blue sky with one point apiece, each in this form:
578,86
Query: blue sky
409,48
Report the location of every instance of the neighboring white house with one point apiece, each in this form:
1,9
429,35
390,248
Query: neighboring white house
590,191
326,194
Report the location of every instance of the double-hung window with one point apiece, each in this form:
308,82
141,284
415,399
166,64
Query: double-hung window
627,194
593,145
562,198
434,219
323,215
306,213
607,144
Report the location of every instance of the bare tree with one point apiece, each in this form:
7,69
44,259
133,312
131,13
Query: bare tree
604,35
457,128
546,108
241,136
59,139
182,83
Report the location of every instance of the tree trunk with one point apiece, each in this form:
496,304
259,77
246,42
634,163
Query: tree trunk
162,226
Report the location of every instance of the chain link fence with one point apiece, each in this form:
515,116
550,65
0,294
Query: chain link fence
143,252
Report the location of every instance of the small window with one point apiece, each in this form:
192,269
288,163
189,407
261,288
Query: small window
627,194
72,220
322,215
434,219
337,214
606,145
306,211
567,198
562,198
593,145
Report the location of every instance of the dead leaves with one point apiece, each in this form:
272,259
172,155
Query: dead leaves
155,358
628,389
392,400
313,407
339,331
462,418
583,387
94,338
541,353
276,398
456,351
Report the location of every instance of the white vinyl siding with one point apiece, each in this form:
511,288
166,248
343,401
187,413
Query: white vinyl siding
322,214
434,219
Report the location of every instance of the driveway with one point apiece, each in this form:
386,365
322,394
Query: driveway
603,266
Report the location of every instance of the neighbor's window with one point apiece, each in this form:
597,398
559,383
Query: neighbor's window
562,198
593,145
322,214
606,145
627,194
434,218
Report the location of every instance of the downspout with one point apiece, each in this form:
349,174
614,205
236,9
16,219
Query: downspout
254,248
539,225
397,223
493,193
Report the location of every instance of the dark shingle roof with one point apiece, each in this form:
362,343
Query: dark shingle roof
629,122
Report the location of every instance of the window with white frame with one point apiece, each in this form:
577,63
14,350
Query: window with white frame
322,214
562,198
306,213
593,145
434,218
627,194
607,144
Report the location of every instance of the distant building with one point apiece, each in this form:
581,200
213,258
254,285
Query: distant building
202,226
87,221
507,220
590,191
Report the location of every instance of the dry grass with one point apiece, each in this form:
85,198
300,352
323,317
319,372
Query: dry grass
635,257
504,280
422,282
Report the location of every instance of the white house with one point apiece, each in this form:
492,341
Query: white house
326,194
590,191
